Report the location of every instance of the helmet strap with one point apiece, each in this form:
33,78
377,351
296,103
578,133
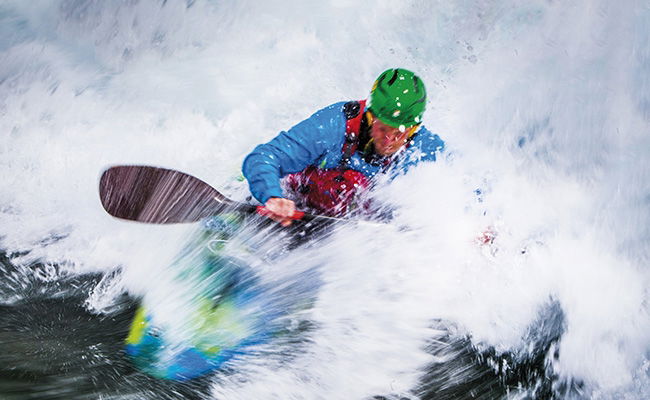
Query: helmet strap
413,129
365,141
369,118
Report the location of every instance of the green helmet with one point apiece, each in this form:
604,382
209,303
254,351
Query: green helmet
398,98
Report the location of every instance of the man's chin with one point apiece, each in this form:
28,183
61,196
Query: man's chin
382,152
385,153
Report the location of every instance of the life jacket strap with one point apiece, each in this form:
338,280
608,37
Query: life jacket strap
353,111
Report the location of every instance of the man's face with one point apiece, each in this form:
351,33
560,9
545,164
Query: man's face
387,140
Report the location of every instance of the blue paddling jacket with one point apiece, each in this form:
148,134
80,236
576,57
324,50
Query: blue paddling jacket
319,141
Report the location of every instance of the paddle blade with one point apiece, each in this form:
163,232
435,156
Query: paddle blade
157,195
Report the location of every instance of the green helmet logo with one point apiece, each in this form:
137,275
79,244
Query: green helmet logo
398,98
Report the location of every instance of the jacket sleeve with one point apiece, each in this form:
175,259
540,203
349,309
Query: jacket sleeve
430,145
293,150
425,147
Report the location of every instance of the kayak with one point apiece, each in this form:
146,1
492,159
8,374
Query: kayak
229,313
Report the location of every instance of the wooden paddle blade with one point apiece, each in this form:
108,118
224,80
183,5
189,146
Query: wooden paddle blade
157,195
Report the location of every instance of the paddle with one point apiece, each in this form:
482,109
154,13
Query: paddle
165,196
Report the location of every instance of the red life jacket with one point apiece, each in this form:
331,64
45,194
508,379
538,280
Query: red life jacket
332,191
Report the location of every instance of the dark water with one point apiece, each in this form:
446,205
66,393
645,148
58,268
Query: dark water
470,373
53,347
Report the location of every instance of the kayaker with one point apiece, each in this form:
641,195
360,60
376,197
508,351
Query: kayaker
326,161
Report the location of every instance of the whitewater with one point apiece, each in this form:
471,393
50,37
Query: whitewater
544,107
